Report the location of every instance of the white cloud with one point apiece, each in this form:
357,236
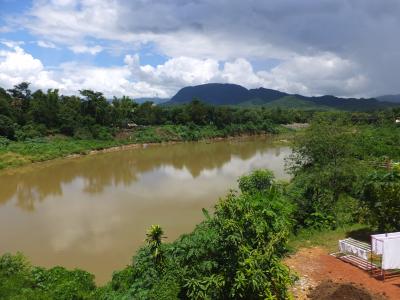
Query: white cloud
16,66
86,49
70,22
317,75
5,29
46,44
11,44
17,62
362,35
178,72
309,75
216,46
240,71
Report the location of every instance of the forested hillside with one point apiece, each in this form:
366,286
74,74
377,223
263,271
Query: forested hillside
389,98
232,94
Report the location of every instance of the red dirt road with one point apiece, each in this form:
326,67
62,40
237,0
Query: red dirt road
314,265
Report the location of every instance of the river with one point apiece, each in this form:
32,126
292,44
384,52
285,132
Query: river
92,212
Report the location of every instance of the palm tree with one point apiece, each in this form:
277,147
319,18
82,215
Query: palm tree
154,238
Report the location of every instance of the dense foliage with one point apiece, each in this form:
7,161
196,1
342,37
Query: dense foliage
381,193
20,280
26,115
333,163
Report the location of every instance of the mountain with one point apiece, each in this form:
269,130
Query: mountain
212,93
233,94
155,100
390,98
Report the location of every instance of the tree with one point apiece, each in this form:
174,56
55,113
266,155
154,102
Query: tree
5,107
123,110
247,237
21,91
198,112
6,127
21,97
154,238
259,181
45,107
96,106
179,115
381,194
325,165
69,116
222,116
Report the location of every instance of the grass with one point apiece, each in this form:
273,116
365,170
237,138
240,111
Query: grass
21,153
327,239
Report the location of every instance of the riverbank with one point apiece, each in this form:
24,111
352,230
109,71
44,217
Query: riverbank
18,153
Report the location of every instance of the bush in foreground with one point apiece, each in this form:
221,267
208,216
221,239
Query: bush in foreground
234,254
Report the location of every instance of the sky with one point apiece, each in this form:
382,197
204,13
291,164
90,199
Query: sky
152,48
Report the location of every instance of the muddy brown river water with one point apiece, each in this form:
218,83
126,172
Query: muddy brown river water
92,212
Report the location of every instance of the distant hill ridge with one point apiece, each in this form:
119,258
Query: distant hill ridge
155,100
233,94
390,98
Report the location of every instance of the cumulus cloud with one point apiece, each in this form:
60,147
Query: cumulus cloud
70,21
86,49
309,75
16,66
241,71
317,75
342,44
179,71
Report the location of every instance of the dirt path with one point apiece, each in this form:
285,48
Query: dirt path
314,265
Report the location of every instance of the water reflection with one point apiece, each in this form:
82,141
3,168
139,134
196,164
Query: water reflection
32,185
92,212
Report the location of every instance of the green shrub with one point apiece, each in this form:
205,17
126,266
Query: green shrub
101,132
19,280
234,254
30,131
381,194
320,220
83,133
6,127
258,181
349,210
4,142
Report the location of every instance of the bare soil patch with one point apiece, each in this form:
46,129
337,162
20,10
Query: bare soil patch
315,266
329,290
